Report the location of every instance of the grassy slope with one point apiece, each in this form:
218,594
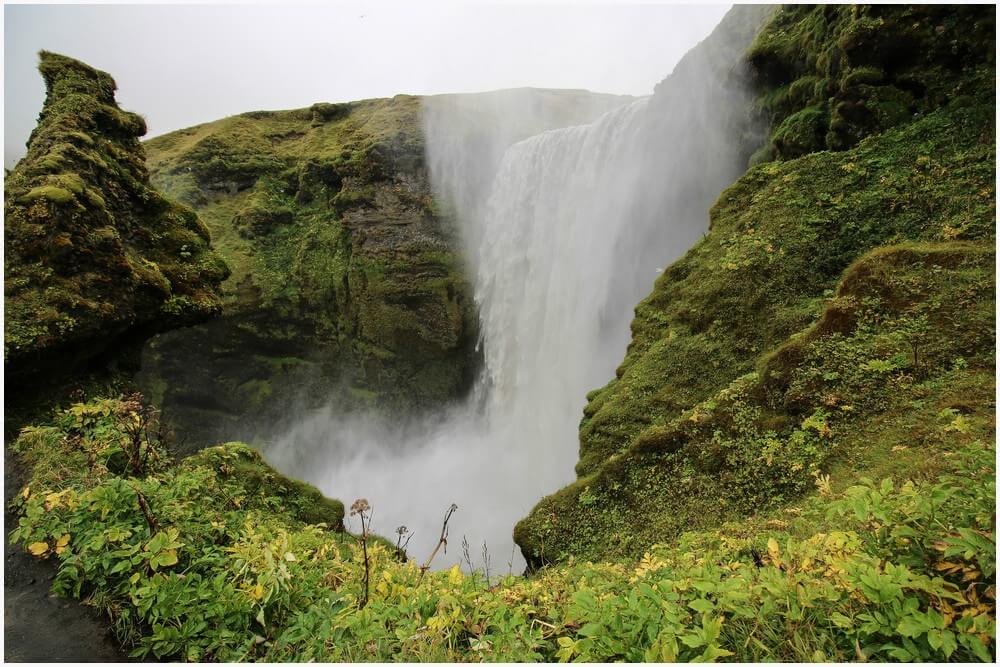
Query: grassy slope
780,241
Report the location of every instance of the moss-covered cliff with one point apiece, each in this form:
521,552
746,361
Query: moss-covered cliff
838,303
93,254
347,280
836,74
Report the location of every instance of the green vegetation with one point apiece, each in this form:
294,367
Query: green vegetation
907,334
732,392
217,559
92,252
835,74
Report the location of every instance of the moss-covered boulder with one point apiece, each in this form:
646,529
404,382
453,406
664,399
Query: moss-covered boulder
93,253
835,74
245,468
717,411
347,284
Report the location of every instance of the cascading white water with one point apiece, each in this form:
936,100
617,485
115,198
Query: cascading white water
569,239
547,264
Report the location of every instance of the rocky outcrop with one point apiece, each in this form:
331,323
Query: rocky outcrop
93,253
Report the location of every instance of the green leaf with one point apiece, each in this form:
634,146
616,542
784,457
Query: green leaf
840,620
912,626
163,559
702,605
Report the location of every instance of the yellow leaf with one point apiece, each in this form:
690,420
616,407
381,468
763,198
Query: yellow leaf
289,556
52,500
258,592
773,551
455,575
38,548
63,541
26,492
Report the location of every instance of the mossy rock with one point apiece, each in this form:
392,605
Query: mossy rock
252,222
94,254
245,465
802,132
872,66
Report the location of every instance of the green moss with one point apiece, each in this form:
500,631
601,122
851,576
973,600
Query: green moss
52,193
802,132
350,199
872,66
99,263
245,467
256,391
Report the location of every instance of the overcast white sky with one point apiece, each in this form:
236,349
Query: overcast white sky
182,65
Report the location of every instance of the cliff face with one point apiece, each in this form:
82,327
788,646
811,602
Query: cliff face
347,281
838,299
93,252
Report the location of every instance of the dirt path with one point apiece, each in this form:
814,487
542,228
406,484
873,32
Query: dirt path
38,626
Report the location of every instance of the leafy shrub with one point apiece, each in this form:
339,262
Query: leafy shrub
896,572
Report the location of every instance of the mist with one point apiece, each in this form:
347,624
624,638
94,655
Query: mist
564,232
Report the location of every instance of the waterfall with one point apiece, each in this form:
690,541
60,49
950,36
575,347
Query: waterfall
565,232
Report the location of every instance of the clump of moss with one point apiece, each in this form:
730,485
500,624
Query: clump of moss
253,221
93,252
859,70
245,467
